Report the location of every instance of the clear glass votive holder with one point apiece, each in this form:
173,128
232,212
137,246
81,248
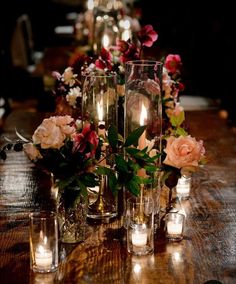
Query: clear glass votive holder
140,225
174,226
43,232
183,187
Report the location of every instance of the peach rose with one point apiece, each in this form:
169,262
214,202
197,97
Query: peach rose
32,152
52,132
183,151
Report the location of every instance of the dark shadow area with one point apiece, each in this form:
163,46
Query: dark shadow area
202,34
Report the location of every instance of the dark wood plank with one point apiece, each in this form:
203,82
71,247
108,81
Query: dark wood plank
207,252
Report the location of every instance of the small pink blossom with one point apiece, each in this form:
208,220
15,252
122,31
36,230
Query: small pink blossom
173,63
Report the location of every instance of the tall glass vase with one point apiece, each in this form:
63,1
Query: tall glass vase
99,107
143,106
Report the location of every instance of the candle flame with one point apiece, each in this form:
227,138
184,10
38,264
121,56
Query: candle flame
41,249
105,41
100,110
143,115
90,4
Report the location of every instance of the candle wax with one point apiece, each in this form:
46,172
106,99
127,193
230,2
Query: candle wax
139,239
174,228
43,258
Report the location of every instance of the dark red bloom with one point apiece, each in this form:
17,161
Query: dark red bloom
82,139
147,36
129,51
104,60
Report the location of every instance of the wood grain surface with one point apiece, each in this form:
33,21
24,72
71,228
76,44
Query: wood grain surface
207,252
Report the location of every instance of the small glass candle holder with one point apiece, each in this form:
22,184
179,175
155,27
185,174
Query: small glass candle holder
174,226
43,231
183,187
140,226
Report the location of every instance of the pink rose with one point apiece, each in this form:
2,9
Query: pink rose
52,132
32,152
183,151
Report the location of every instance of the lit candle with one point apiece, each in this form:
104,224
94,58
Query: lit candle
174,228
139,237
142,138
105,41
101,123
183,187
43,257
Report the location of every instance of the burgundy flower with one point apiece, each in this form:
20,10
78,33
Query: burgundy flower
129,51
104,60
81,140
147,36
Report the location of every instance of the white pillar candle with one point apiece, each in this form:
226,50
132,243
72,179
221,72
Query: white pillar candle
139,238
174,228
43,257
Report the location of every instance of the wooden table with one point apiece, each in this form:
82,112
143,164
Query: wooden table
207,252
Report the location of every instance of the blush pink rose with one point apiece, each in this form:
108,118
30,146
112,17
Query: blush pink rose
52,132
184,151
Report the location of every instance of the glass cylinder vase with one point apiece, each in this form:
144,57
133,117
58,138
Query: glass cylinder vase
72,208
99,107
143,106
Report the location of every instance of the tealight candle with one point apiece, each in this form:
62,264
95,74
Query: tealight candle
140,229
174,226
139,238
43,258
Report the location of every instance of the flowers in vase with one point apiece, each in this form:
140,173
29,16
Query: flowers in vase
66,150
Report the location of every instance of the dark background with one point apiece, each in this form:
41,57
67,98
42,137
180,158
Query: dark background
203,35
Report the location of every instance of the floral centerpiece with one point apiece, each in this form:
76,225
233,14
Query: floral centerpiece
72,152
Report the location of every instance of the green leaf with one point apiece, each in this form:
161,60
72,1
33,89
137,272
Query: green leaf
177,120
134,187
88,179
132,139
113,183
181,131
121,164
113,137
150,168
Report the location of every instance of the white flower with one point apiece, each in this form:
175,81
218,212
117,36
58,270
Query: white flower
68,77
72,96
